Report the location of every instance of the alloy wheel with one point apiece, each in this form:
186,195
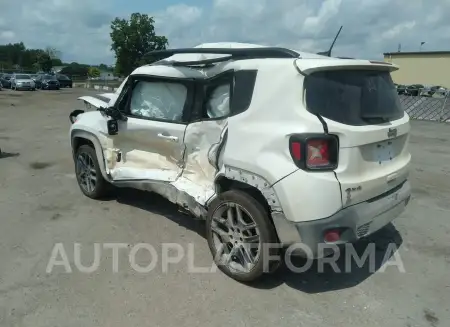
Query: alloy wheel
87,175
236,237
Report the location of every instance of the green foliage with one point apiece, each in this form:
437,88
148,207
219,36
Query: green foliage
17,56
45,62
93,72
133,38
75,70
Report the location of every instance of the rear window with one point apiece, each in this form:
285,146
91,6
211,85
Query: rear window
353,97
19,76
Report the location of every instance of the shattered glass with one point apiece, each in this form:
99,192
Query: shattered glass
158,100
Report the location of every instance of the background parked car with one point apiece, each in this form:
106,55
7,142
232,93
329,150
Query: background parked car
5,79
64,81
401,89
34,76
47,82
414,89
1,86
22,81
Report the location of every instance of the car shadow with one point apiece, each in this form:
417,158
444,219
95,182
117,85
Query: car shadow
322,276
157,204
341,271
8,154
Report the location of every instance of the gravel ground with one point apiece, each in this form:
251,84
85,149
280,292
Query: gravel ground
41,205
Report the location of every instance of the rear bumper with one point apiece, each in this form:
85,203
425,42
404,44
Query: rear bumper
23,87
353,222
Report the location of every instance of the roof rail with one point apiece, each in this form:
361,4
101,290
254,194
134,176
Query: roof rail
235,53
205,62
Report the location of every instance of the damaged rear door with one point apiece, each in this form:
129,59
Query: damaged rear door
218,98
149,145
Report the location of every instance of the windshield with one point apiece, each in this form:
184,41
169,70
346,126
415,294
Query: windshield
353,97
20,76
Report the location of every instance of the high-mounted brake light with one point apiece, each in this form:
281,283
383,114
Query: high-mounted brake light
314,151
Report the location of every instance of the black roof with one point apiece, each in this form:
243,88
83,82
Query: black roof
233,53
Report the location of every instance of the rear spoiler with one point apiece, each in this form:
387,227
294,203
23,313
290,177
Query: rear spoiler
306,67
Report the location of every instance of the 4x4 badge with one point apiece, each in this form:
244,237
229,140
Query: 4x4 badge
392,132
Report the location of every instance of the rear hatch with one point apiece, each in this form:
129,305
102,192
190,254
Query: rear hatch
358,102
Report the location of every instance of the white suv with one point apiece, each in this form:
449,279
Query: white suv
268,145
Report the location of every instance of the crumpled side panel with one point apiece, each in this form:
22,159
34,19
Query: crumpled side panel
198,175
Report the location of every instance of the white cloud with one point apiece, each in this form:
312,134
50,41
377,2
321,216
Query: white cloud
7,35
80,28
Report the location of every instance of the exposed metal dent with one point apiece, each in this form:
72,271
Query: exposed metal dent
256,181
287,233
202,140
170,192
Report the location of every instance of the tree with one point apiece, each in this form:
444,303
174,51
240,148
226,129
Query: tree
133,38
45,62
94,72
76,70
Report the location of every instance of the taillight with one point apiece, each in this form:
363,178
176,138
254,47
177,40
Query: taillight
314,151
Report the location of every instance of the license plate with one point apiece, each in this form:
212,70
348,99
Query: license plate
383,152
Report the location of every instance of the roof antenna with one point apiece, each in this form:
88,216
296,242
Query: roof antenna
328,53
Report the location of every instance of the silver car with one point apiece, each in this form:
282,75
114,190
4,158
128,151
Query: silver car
22,82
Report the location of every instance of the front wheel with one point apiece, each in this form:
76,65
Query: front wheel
89,175
241,236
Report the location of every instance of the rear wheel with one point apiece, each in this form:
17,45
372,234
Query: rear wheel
89,175
241,236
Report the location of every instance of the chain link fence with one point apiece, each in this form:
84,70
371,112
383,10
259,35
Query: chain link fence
434,107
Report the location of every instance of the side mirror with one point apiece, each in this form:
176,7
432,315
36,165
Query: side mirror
115,114
113,126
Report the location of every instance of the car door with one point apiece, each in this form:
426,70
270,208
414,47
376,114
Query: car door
149,144
204,135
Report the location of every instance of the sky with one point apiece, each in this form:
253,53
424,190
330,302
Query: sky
79,29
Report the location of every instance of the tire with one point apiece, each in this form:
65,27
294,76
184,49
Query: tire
102,187
251,210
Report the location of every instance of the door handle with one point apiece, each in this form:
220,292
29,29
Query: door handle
168,137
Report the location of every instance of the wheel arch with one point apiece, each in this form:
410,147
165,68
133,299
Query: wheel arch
79,138
230,178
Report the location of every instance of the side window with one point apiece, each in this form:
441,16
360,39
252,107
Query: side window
160,100
217,104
